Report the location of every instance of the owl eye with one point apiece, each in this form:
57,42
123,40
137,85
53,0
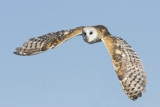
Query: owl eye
84,33
91,33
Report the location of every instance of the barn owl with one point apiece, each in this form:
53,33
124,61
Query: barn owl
126,62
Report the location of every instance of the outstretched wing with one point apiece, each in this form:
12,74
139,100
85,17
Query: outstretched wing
127,65
42,43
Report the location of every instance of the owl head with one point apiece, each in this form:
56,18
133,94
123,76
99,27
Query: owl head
93,34
90,35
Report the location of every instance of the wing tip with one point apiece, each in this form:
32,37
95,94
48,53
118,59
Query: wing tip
15,53
135,97
20,53
23,52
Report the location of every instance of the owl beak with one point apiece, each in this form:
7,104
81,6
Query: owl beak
85,38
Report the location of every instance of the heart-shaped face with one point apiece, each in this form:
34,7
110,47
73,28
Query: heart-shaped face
90,35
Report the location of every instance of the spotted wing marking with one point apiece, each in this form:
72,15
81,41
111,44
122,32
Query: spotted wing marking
42,43
127,65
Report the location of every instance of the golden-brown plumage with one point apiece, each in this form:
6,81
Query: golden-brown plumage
126,62
42,43
127,65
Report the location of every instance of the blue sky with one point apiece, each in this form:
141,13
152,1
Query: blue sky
76,74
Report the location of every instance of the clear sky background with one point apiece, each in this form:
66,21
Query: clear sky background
76,74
